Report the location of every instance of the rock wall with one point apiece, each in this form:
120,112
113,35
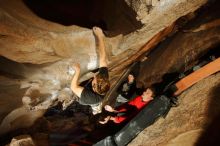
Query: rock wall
36,55
156,15
180,52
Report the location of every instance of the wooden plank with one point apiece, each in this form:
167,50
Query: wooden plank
196,76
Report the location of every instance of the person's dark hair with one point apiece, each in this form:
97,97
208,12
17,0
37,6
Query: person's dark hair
153,90
132,73
103,84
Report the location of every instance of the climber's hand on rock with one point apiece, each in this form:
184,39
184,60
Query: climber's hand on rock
98,31
76,66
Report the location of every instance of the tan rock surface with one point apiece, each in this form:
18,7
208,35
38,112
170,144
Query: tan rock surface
156,15
39,54
22,140
188,138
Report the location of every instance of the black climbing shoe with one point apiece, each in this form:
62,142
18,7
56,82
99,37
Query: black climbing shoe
174,102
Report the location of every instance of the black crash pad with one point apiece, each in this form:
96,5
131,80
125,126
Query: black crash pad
147,116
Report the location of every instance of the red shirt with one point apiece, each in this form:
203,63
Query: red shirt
137,103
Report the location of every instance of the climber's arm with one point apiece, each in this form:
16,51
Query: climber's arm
101,46
74,84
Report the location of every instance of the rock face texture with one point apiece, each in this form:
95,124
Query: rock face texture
36,54
188,44
187,52
156,15
23,140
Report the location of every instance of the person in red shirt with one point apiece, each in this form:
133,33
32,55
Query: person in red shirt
128,110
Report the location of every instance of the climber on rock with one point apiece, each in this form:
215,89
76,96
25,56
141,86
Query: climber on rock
94,91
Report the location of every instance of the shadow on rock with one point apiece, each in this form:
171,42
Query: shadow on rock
210,136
